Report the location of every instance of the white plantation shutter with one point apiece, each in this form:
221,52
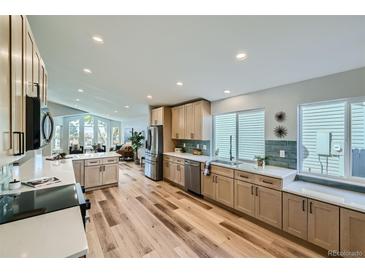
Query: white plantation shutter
358,126
224,127
251,134
328,117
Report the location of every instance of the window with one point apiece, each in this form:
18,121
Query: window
332,139
115,135
88,131
247,127
102,132
57,138
74,132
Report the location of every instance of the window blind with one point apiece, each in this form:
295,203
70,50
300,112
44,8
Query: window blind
224,127
251,134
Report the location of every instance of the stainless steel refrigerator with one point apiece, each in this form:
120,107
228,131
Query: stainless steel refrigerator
153,155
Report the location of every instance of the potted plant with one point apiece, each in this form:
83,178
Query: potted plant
137,142
261,161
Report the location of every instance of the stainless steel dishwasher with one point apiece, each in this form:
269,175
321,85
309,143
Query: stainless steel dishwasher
192,176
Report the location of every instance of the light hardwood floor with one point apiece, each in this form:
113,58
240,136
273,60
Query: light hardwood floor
142,218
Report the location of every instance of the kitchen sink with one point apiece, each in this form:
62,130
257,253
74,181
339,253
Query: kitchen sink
225,162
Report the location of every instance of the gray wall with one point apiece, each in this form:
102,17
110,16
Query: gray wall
61,110
286,98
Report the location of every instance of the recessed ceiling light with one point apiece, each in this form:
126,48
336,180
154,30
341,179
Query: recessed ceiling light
87,71
227,91
179,84
80,90
149,96
241,56
77,100
115,111
98,39
126,106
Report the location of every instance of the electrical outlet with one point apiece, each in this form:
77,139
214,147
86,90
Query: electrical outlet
282,153
184,145
205,147
197,145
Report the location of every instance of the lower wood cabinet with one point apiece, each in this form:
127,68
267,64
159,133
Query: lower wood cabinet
295,215
244,197
224,190
174,171
219,188
268,207
352,233
166,170
323,225
93,176
79,171
110,174
180,175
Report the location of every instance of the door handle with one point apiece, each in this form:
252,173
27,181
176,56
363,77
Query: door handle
303,205
251,189
257,191
310,207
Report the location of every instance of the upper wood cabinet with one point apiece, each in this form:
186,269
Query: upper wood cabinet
323,225
352,233
192,121
157,116
5,84
295,216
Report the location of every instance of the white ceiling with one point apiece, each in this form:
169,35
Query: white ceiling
148,54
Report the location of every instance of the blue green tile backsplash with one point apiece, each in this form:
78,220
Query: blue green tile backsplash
190,144
272,151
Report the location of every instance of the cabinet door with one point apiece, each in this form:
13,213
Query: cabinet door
17,83
268,206
5,109
244,197
110,174
45,87
295,215
198,120
324,225
173,176
208,186
28,58
180,175
79,171
352,232
189,121
157,116
224,190
42,85
174,123
36,69
166,170
93,176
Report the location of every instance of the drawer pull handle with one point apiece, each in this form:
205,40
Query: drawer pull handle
243,176
267,182
94,162
303,205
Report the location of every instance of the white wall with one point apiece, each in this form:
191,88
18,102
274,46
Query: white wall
138,124
62,110
288,97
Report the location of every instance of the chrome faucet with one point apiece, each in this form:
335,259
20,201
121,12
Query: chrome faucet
230,148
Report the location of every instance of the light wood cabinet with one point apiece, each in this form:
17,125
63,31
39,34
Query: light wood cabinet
79,171
93,176
28,58
323,224
178,122
166,170
110,174
244,197
352,233
224,190
192,121
295,215
268,206
5,95
174,171
180,175
208,186
157,116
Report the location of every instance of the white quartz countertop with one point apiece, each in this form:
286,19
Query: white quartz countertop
340,197
287,175
57,234
87,156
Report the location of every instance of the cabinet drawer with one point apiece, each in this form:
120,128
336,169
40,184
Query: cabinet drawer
92,162
269,182
110,160
222,171
244,176
167,158
179,161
